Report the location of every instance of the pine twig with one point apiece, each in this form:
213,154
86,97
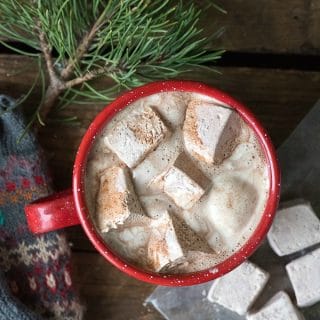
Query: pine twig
56,86
45,48
81,50
83,47
90,75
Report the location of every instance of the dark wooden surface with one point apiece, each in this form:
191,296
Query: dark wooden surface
287,26
279,97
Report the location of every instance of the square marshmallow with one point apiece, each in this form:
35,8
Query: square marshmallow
210,131
189,239
183,190
116,199
183,182
238,289
294,228
304,274
149,242
163,246
132,138
279,307
156,162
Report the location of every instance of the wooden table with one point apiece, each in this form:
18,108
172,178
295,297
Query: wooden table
271,66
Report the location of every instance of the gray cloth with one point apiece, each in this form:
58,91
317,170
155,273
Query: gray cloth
11,129
37,268
10,307
299,158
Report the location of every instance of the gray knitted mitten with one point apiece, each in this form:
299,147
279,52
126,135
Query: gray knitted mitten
36,268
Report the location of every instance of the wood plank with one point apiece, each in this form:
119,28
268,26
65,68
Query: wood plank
289,27
266,25
107,292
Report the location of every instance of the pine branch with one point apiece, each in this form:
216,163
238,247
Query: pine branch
83,48
56,86
87,77
47,56
128,41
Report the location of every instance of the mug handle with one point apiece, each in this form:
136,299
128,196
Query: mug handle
51,213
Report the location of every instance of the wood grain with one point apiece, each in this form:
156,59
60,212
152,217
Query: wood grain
279,98
108,293
273,26
290,27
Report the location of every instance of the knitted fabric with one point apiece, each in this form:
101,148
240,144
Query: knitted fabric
10,307
37,268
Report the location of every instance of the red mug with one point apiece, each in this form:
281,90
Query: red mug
69,207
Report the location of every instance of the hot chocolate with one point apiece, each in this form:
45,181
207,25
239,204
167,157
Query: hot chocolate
176,182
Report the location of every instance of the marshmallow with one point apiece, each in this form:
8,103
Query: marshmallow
294,228
133,137
184,163
210,131
230,204
238,289
170,106
156,162
279,307
116,199
180,188
304,274
150,243
163,246
189,240
183,182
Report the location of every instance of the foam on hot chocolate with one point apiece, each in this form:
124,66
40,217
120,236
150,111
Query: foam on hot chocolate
202,196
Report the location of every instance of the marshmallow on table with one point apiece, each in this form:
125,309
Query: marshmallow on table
304,274
183,182
132,138
210,131
116,199
151,243
294,228
238,289
279,307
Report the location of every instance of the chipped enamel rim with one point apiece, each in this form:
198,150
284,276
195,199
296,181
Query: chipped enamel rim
175,279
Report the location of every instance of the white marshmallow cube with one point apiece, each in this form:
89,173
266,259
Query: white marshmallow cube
133,137
294,228
149,242
279,307
163,246
183,190
116,199
238,289
210,131
156,162
183,182
304,274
